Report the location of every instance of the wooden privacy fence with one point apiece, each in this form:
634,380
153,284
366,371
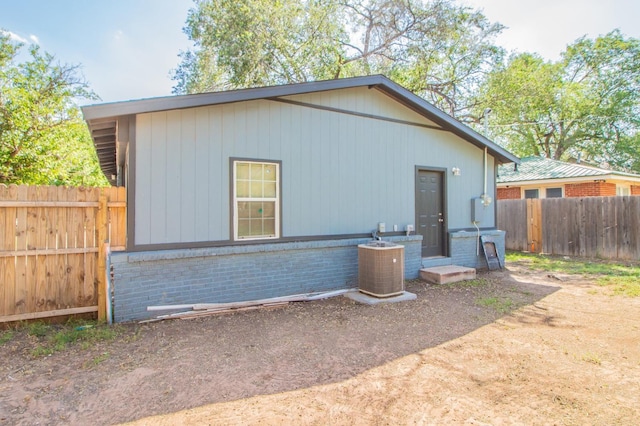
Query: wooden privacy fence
604,227
53,243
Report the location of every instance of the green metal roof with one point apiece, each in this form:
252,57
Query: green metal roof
538,168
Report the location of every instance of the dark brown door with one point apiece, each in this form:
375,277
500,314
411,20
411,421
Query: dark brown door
429,212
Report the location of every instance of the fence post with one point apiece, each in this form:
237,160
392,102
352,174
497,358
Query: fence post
534,225
101,223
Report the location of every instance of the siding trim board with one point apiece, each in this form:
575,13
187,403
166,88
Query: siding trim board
356,113
131,188
223,243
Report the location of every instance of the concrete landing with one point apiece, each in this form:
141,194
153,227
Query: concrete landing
447,274
370,300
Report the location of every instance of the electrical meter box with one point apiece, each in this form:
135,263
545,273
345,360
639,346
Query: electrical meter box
477,210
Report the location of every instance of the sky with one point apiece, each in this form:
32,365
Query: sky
127,48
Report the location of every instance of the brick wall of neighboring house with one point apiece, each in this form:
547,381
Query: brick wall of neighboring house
590,189
511,193
635,189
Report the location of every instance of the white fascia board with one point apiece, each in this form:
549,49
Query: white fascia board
612,178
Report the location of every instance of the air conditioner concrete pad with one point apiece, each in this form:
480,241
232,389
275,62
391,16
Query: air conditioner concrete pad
371,300
447,274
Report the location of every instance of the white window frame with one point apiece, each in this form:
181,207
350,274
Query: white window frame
236,200
561,188
623,189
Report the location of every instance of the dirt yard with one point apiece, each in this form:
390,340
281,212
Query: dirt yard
518,348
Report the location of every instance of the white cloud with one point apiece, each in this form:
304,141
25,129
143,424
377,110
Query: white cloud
15,37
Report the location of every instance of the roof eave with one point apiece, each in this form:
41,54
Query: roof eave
438,116
564,180
114,110
165,103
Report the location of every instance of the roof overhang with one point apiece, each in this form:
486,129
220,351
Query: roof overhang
104,134
102,118
612,178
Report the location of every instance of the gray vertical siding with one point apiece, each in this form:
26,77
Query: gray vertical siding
341,174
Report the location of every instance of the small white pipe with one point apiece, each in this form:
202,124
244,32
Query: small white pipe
484,192
485,115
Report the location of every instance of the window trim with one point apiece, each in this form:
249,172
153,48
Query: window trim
623,187
524,193
233,232
546,190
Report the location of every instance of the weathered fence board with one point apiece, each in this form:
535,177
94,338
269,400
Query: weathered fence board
534,228
605,227
49,248
512,214
609,244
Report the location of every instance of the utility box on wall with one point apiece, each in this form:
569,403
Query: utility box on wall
477,210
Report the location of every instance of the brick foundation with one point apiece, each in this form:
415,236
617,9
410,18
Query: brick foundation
463,246
511,193
590,189
239,273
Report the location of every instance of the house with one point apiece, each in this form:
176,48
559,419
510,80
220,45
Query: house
538,177
264,192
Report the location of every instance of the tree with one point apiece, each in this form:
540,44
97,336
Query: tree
586,105
437,49
248,43
43,139
449,57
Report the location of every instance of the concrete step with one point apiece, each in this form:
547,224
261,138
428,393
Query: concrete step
447,274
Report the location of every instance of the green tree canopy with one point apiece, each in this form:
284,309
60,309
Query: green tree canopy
436,48
585,105
43,139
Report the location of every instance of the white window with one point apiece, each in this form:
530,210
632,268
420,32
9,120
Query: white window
553,193
256,200
623,190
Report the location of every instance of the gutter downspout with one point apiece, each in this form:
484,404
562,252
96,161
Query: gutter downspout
485,116
484,188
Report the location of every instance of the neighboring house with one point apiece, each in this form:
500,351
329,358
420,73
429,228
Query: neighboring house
537,177
265,192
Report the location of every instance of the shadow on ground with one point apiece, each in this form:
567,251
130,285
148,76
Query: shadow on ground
174,365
